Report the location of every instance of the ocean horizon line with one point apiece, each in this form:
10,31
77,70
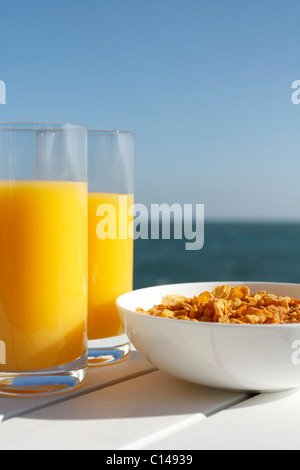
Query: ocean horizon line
237,221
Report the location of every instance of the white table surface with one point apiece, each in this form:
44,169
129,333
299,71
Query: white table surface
133,406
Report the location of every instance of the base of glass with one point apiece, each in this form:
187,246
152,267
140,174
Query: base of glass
44,382
108,351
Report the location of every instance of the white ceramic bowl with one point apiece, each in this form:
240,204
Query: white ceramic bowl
252,358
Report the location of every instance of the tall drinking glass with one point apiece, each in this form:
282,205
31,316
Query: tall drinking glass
43,258
110,241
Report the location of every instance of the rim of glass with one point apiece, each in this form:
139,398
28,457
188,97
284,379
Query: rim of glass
110,131
47,126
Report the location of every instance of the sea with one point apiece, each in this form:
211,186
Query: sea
248,251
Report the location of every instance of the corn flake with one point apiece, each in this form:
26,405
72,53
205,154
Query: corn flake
226,304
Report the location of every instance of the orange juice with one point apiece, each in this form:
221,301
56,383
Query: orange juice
43,273
110,261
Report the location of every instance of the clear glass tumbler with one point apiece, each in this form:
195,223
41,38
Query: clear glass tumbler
43,258
110,241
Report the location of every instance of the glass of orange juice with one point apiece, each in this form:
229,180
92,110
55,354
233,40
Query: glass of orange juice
110,241
43,258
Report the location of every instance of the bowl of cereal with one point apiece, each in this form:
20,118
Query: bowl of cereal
235,336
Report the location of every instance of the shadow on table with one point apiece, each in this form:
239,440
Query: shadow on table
152,394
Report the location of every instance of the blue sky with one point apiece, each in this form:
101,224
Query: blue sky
204,84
